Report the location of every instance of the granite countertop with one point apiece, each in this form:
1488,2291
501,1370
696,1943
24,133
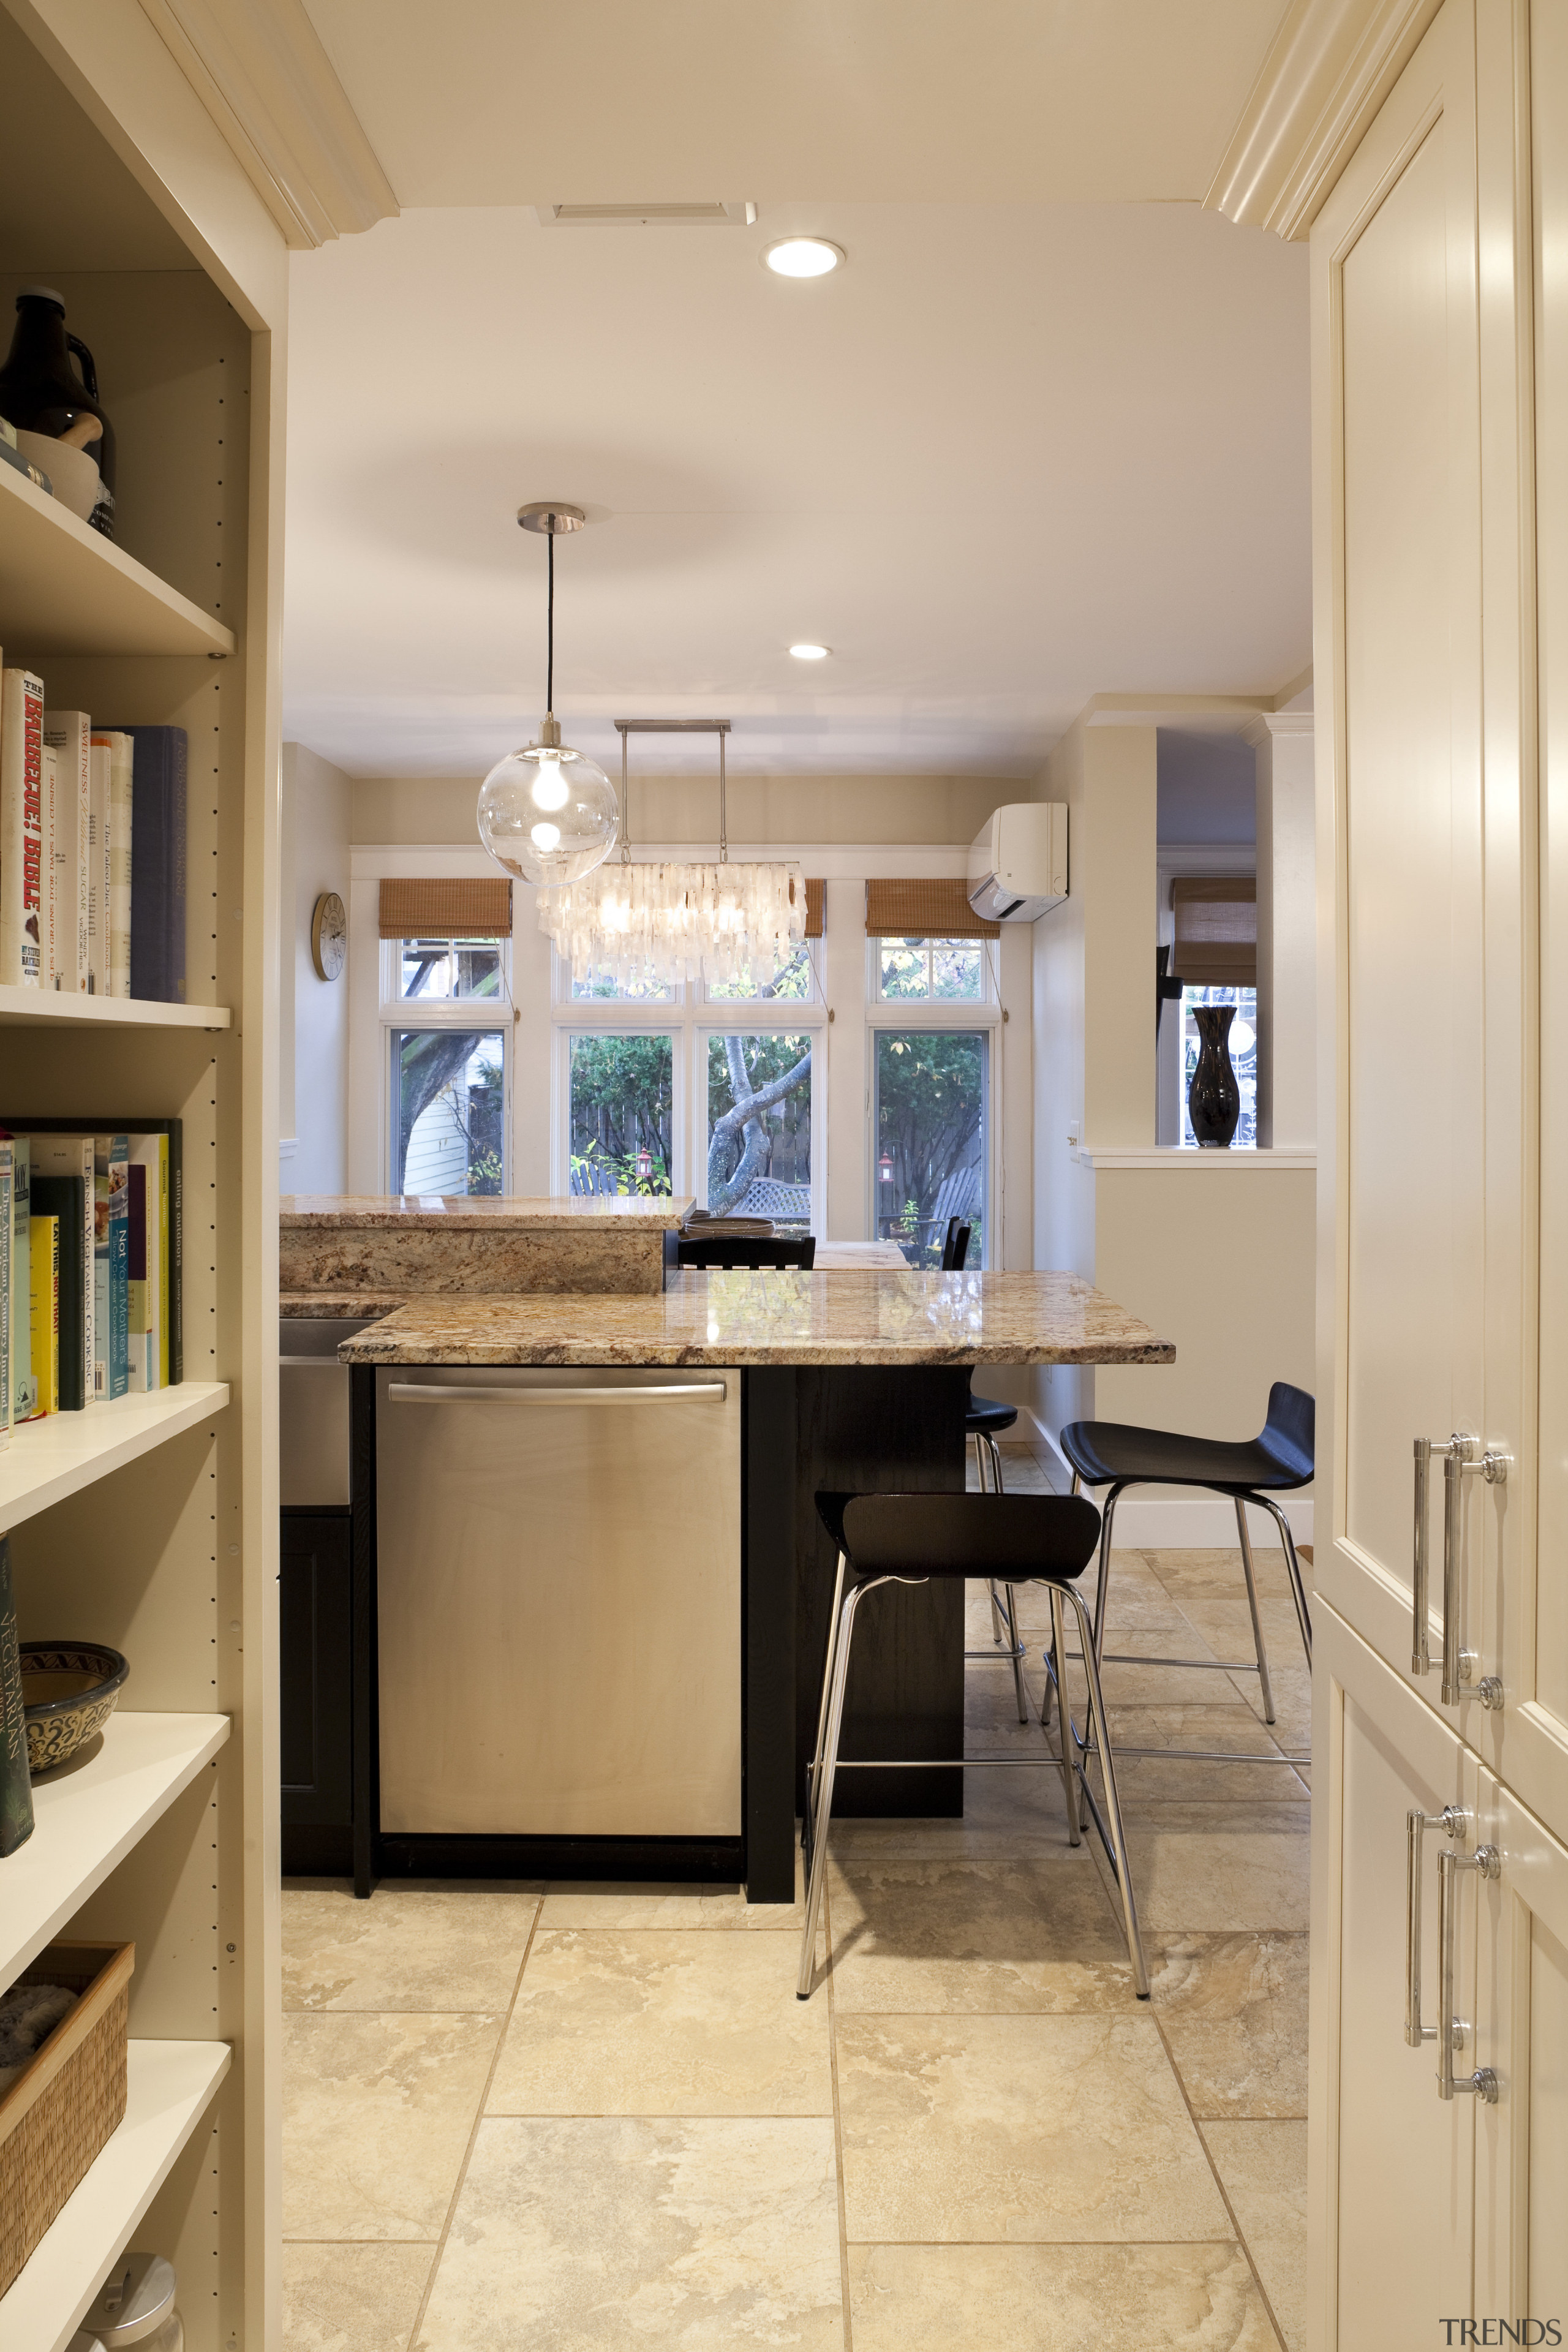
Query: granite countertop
418,1212
845,1318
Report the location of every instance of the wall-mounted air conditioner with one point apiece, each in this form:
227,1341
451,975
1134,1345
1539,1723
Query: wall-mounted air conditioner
1018,864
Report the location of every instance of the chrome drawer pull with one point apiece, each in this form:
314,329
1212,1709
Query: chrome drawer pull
1451,1821
416,1392
1452,2029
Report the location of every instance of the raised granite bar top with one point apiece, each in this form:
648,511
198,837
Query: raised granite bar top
482,1213
845,1318
405,1245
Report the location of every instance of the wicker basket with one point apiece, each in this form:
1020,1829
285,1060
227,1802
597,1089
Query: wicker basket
58,2114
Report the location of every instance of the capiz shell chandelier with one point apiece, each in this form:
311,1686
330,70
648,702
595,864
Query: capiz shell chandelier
653,925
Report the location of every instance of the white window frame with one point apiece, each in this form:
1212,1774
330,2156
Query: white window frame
969,1006
400,1012
948,1016
816,1028
690,1017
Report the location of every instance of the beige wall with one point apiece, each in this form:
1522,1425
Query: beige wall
1220,1259
848,809
313,1054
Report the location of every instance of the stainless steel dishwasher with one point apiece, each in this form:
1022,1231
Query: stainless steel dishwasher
559,1595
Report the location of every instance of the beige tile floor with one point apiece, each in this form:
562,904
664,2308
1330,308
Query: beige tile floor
576,2118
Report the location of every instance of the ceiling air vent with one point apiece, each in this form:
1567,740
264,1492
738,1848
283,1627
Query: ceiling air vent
644,215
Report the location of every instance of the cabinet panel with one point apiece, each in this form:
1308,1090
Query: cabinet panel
1393,2166
1522,1997
316,1724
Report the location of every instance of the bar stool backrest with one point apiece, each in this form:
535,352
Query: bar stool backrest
737,1252
1289,1433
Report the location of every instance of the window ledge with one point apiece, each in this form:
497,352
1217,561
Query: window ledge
1176,1155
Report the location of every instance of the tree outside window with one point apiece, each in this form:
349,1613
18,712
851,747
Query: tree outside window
932,1087
622,1112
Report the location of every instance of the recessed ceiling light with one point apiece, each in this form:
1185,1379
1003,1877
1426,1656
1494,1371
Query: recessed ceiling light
811,653
803,257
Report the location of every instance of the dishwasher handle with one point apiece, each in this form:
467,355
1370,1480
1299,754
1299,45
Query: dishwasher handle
416,1392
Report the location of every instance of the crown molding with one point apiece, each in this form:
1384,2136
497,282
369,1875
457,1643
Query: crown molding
260,71
1328,70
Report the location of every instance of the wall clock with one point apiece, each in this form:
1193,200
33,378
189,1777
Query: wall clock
329,936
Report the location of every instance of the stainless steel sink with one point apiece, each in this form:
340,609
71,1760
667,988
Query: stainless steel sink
314,1410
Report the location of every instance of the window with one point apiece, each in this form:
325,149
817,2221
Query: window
795,983
604,988
930,972
446,1031
931,1123
758,1129
1243,1043
620,1110
447,971
448,1110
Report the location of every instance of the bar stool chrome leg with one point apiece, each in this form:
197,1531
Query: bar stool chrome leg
813,1778
1112,1801
1064,1718
826,1765
1264,1685
1293,1570
1102,1580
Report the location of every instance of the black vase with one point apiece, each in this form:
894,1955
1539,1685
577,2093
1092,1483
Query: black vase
1214,1099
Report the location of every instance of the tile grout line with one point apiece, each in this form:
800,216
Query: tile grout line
474,2131
838,2122
1220,2184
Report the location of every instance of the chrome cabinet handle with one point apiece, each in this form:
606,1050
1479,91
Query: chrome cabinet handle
1461,1459
1451,1821
1451,2030
417,1392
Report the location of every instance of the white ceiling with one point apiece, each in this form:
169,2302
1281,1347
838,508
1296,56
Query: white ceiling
1014,453
863,101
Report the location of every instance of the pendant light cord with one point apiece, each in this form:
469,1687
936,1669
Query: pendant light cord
549,626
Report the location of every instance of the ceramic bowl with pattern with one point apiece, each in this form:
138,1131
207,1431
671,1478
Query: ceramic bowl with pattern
68,1692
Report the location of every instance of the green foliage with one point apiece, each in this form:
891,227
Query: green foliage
623,1102
931,1105
759,1113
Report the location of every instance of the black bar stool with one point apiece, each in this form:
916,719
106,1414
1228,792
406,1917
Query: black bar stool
1014,1539
732,1253
1278,1460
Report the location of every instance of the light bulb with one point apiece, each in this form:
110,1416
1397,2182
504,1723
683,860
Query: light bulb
584,821
550,791
802,256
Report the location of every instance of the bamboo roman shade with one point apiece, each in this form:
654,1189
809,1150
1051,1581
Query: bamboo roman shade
815,905
925,910
446,910
1216,930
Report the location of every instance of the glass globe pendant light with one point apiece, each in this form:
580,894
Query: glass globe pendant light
546,812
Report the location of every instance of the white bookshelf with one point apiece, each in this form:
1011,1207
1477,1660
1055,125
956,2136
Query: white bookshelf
65,588
170,2086
38,1007
48,1460
151,1523
88,1816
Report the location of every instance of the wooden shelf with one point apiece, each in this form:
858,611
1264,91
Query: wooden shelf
48,1460
87,1817
170,2088
40,1006
65,588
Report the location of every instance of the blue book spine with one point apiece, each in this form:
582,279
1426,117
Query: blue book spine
158,793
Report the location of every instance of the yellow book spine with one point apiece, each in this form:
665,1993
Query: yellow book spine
43,1314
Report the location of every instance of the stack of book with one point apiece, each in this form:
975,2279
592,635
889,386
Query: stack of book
90,1261
92,851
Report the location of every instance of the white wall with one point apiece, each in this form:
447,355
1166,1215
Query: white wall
317,802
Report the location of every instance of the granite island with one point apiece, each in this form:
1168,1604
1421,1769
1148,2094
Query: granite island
847,1379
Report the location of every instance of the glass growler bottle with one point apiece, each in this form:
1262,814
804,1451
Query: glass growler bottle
41,391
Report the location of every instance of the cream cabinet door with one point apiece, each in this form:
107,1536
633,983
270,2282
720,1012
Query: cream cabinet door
1531,1735
1393,2166
1522,2202
1421,823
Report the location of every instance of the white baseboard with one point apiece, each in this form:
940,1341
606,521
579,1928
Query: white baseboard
1201,1523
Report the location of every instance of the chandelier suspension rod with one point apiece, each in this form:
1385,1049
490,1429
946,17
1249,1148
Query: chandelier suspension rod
720,727
550,629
